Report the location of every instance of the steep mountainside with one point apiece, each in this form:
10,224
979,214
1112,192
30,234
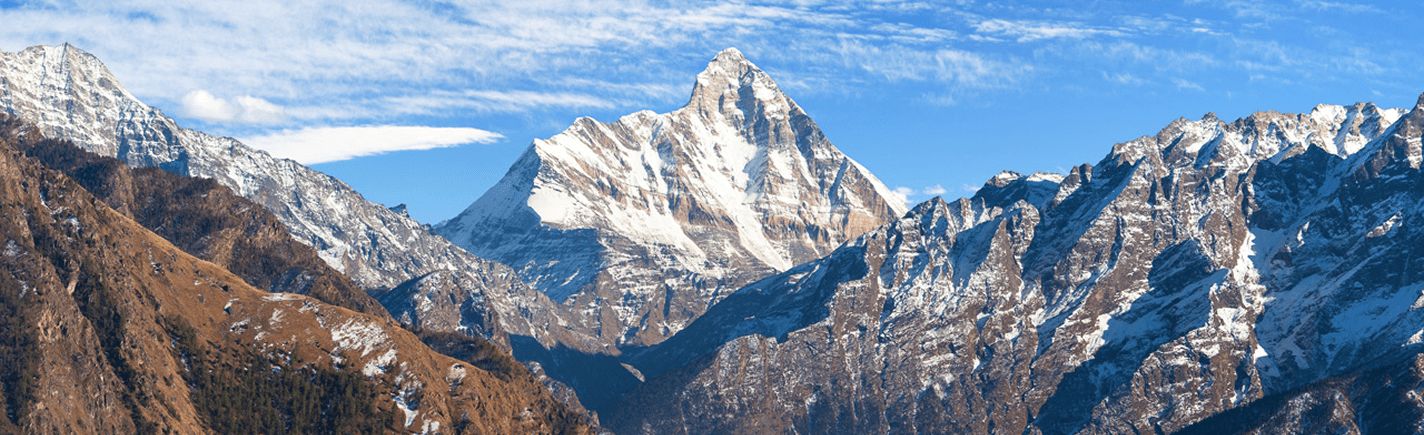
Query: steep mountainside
67,93
1386,399
1188,273
641,224
423,279
109,328
202,218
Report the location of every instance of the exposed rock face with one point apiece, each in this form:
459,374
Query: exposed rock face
1384,399
641,224
1186,274
112,329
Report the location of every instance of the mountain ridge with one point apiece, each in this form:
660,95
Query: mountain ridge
1143,294
116,330
67,93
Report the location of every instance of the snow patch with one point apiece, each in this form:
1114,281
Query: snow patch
357,335
405,408
380,365
12,249
1385,227
279,297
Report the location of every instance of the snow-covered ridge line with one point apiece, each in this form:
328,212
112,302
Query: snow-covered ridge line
1187,273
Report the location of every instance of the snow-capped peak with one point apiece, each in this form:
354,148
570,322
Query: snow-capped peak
736,185
733,87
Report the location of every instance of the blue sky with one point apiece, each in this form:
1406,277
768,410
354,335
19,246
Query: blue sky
428,102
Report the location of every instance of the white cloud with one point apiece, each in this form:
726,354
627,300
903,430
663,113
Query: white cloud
969,188
903,194
245,109
340,62
329,144
330,60
935,190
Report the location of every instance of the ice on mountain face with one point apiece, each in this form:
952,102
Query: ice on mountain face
657,216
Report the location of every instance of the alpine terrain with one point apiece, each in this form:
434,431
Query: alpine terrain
1268,267
67,93
720,268
641,224
106,327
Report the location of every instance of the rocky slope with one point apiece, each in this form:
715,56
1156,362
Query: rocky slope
202,218
67,93
1186,274
109,328
1382,399
639,225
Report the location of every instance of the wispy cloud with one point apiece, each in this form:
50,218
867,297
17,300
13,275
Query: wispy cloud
494,101
1124,78
1184,84
328,144
1028,31
329,60
1341,7
272,62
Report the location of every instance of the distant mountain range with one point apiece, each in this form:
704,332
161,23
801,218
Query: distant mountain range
1186,274
723,268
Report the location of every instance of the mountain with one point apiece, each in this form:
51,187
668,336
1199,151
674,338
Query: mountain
1188,273
67,93
106,327
1382,398
205,219
639,225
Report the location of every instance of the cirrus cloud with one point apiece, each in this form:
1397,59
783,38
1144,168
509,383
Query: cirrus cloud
329,144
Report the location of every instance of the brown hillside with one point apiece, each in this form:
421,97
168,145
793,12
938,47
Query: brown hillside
106,327
202,218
